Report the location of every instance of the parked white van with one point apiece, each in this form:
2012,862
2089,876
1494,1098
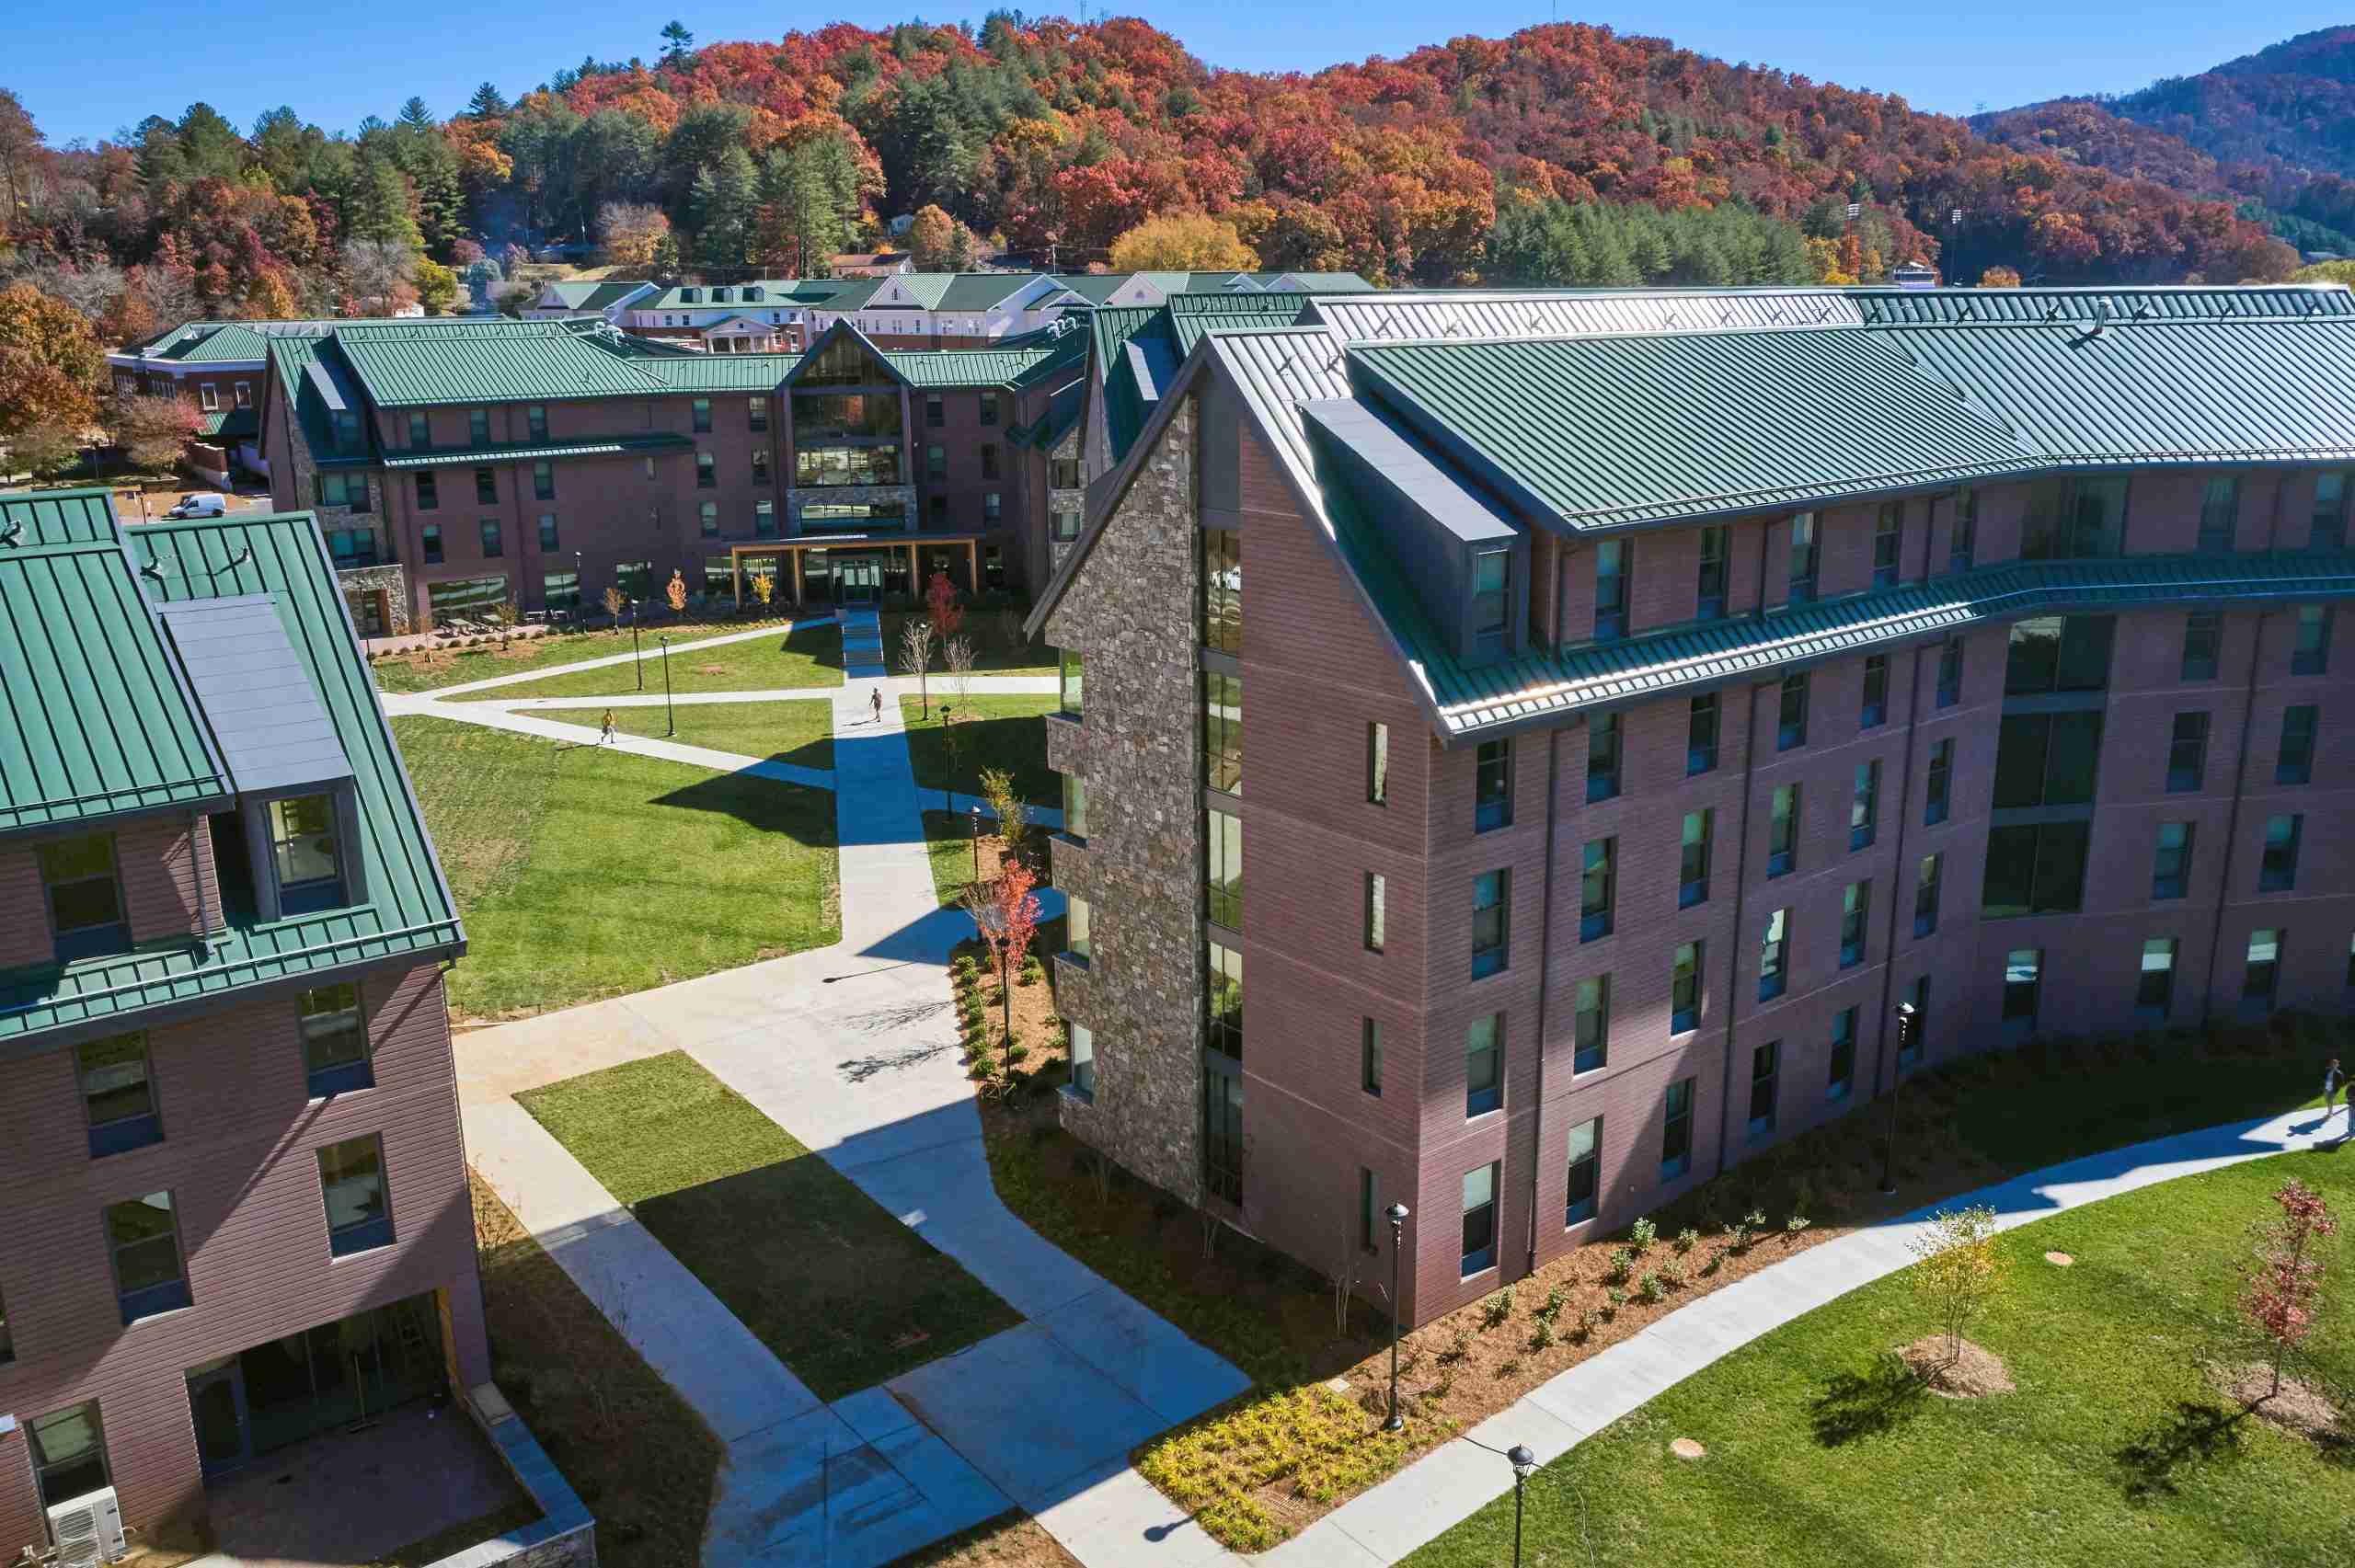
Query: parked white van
201,503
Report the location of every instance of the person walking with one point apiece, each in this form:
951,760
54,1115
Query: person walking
2333,1083
875,701
606,735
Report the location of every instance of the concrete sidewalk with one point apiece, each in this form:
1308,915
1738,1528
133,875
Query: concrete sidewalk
1455,1480
494,717
648,649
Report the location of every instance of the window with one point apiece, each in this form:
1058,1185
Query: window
1701,736
2219,514
1802,579
1875,705
1950,673
549,541
1596,885
701,411
1684,990
486,487
352,1180
431,539
1377,764
936,463
2023,979
1068,682
1585,1172
1610,590
2058,653
934,416
1939,783
1225,1033
536,421
989,460
1223,731
707,519
707,476
2188,752
1222,551
1480,1220
1774,956
1370,1056
1063,526
1374,914
1928,876
85,900
1676,1135
1492,787
1223,869
1693,865
1791,728
477,426
2154,988
989,409
69,1454
421,431
2046,760
1491,923
347,490
2034,870
2258,978
1077,941
146,1246
1855,917
335,1056
1591,1024
2296,763
491,544
1082,1059
1783,829
117,1094
1075,806
208,396
1963,547
2171,865
1491,598
1765,1068
1863,804
303,852
428,498
760,465
1712,601
2329,527
2278,873
1889,530
756,413
1602,732
1484,1066
2203,633
1062,472
763,519
2311,654
346,432
2076,517
1839,1076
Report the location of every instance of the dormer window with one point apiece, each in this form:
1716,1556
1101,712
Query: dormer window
1491,598
304,842
346,431
85,896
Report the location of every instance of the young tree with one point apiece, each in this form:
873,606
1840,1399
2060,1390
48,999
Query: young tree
941,608
957,654
1183,242
915,659
1957,1271
1006,914
2283,1288
1012,811
764,588
615,601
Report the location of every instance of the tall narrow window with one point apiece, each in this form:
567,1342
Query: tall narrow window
352,1180
543,481
2171,864
1373,911
1491,598
1889,533
1765,1072
2311,654
1712,600
1480,1220
1491,923
2023,980
1693,861
1951,672
2262,971
430,540
2203,635
2329,527
477,426
1585,1172
1602,732
1783,829
548,541
1484,1065
1701,736
1223,869
707,472
1863,804
1492,787
2279,871
701,409
1962,547
1370,1056
1938,785
117,1093
428,498
1927,875
1856,919
2295,766
934,413
1079,940
1774,956
1839,1077
756,413
1223,1034
486,487
2188,753
492,546
1223,731
303,852
1082,1059
1222,591
1075,806
421,431
1610,590
144,1240
1591,1024
1876,703
2219,514
1597,883
1791,727
1377,764
7,1344
1802,578
1684,990
2155,989
1068,664
84,898
1676,1132
335,1041
760,465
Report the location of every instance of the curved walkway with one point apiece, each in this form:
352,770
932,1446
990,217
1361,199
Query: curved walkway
1452,1483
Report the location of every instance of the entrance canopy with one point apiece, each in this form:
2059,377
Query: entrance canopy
795,547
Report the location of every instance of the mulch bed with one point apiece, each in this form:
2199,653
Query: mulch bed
1975,1373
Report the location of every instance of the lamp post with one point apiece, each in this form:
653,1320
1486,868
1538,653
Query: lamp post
579,604
948,738
636,662
1909,1029
1397,1215
1523,1462
669,718
977,843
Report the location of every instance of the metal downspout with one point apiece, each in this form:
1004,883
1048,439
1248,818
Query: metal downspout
1897,871
2233,819
1545,978
1740,887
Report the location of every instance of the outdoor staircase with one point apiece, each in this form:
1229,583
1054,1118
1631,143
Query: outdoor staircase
862,644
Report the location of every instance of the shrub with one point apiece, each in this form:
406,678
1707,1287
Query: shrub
1497,1308
1650,1287
1642,1234
1673,1275
1556,1300
1795,1224
1542,1337
1459,1345
1686,1239
1621,1263
1585,1328
1015,1053
1614,1298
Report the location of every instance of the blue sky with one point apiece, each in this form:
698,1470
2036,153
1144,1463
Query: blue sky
98,67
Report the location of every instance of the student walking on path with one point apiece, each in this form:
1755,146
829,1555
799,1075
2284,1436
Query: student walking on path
2333,1081
606,735
875,701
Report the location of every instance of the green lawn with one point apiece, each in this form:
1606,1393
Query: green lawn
584,874
997,732
2114,1450
798,730
810,655
949,843
825,1277
999,647
455,667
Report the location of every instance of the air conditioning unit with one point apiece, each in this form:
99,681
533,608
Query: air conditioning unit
87,1529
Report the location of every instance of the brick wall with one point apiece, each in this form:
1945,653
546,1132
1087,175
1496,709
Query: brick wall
163,865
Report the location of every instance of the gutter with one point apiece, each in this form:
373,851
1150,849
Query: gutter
1897,872
1545,978
2232,818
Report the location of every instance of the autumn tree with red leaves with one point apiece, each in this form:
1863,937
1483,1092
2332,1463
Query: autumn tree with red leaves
941,608
2283,1288
1006,914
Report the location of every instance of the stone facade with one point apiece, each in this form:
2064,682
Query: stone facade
1061,500
386,588
1129,613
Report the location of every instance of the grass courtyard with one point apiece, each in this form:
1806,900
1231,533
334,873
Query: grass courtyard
565,860
431,669
2115,1448
844,1294
1006,732
999,647
808,655
797,730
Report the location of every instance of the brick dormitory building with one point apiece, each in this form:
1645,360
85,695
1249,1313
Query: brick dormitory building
233,1210
1641,697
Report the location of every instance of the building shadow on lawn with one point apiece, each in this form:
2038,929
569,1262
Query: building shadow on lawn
2196,1432
1854,1406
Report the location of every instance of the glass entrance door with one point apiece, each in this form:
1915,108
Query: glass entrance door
858,579
216,1399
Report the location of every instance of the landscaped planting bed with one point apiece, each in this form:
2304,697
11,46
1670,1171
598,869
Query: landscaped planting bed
846,1295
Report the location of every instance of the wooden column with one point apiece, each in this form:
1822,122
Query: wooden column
972,567
797,577
915,573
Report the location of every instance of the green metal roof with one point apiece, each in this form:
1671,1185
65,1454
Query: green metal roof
821,294
415,364
1010,367
56,517
2289,301
231,424
535,451
959,290
409,914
